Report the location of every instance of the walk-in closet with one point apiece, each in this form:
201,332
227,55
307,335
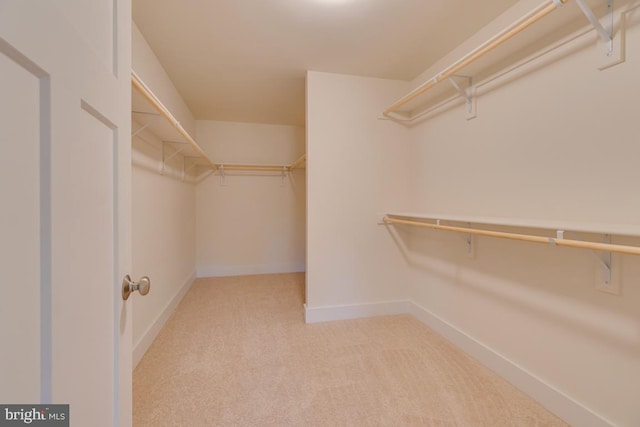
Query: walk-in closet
320,212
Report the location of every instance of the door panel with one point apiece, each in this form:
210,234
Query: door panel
95,20
20,225
85,236
65,105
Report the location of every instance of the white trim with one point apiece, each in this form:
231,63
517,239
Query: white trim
248,270
143,344
354,311
557,402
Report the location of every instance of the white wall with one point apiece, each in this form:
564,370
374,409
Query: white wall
554,140
148,68
255,222
163,217
357,170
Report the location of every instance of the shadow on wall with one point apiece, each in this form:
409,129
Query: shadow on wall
543,281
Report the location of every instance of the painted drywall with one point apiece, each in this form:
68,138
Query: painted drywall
555,139
163,212
356,170
253,222
163,236
147,66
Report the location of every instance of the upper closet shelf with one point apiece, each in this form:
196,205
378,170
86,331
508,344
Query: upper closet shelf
149,113
409,108
574,226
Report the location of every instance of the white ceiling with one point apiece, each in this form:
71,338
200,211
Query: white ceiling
245,60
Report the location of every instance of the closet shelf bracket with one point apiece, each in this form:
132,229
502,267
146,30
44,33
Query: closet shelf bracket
222,175
469,243
606,34
166,158
175,153
466,93
604,261
188,163
285,169
146,125
193,159
468,239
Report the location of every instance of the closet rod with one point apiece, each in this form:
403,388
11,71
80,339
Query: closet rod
605,247
513,29
264,168
139,85
298,162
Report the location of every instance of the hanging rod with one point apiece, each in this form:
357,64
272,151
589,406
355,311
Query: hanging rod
532,17
144,90
595,246
261,168
265,168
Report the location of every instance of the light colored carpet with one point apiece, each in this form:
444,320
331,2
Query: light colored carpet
238,353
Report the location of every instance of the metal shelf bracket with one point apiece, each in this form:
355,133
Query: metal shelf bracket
185,168
605,260
166,158
146,125
606,34
193,159
469,243
223,181
466,93
140,129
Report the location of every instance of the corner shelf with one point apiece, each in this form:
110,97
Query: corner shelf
149,113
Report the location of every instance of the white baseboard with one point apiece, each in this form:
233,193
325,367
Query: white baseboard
557,402
246,270
141,347
343,312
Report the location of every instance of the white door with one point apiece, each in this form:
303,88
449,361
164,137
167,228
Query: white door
64,196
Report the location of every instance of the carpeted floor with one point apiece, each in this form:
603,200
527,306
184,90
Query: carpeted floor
238,353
